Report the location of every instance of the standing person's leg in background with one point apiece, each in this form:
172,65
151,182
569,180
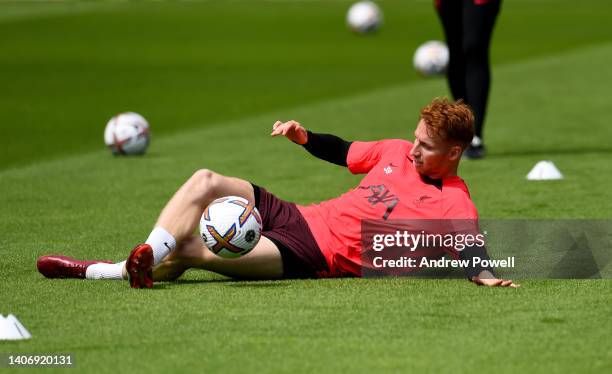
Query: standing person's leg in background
451,16
468,27
478,22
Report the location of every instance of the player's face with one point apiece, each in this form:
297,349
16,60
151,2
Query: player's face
433,156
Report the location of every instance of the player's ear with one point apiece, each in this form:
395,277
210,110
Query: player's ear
455,152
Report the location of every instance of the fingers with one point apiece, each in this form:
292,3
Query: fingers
280,128
495,282
508,283
276,128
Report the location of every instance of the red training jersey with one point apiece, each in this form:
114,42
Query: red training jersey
391,189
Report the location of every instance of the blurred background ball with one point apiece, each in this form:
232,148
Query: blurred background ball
127,134
364,17
431,58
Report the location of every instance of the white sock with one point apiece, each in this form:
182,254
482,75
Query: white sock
105,271
162,243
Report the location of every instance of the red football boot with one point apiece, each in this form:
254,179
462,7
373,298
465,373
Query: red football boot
57,266
140,266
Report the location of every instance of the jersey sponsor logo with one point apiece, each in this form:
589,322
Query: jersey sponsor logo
381,195
421,199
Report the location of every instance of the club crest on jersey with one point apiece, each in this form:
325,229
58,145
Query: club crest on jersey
389,168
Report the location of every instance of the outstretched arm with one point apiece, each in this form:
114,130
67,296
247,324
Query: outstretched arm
482,276
324,146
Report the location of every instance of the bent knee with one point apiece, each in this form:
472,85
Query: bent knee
203,176
206,181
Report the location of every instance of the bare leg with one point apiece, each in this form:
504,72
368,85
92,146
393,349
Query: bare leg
179,219
263,262
181,215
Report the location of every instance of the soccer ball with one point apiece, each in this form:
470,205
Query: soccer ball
364,17
431,58
127,134
230,226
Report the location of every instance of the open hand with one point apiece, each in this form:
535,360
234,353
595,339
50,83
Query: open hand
292,130
494,282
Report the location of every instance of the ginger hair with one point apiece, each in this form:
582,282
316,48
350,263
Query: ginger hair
452,121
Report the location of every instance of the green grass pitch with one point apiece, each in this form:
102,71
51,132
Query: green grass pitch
212,77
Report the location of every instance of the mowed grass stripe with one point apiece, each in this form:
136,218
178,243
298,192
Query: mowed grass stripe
23,11
538,109
527,95
182,63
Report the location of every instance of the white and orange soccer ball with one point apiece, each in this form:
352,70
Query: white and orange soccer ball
364,17
230,226
127,134
431,58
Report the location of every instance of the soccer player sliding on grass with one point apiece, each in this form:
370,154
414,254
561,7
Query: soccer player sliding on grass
403,180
